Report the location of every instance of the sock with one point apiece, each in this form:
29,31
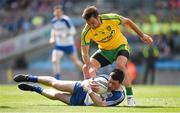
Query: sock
129,91
57,76
32,78
38,89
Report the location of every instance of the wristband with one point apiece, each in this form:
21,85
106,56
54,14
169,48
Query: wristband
89,91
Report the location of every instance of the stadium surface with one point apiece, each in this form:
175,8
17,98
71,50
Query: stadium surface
149,99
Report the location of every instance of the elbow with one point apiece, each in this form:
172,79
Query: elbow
127,21
82,53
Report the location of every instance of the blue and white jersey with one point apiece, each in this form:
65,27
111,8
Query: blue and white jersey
111,98
63,31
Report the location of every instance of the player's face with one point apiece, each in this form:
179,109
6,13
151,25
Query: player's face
94,22
58,13
113,84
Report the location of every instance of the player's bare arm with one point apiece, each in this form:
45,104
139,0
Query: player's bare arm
89,69
97,99
85,54
144,37
91,87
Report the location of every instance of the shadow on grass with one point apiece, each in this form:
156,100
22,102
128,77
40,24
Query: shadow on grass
151,106
113,106
145,106
6,107
51,105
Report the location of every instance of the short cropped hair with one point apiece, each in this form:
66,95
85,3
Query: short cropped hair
117,74
58,7
89,12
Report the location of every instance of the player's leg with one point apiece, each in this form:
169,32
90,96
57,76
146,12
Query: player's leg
49,93
75,60
73,56
121,63
78,63
76,98
57,95
66,86
56,58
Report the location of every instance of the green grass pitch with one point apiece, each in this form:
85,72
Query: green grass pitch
149,99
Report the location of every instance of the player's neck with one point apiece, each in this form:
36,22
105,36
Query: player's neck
99,23
99,20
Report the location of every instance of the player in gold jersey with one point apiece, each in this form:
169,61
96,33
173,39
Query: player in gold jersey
113,46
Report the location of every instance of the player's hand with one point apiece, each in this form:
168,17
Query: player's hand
94,85
92,72
51,41
147,39
89,71
86,85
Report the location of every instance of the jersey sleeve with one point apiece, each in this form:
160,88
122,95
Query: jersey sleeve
116,98
72,29
86,36
117,19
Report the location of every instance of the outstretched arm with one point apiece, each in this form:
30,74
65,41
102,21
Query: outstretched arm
86,59
144,37
88,70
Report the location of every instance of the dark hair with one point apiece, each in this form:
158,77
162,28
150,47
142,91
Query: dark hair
58,7
117,74
90,11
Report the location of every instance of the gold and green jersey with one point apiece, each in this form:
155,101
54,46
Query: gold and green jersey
108,35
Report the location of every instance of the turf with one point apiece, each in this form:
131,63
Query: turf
149,99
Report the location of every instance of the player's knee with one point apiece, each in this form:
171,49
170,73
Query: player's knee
57,96
51,80
55,84
53,61
56,63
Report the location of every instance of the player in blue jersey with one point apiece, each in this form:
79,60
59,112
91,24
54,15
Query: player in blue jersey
76,92
62,34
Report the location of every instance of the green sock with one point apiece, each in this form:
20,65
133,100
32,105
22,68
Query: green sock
129,91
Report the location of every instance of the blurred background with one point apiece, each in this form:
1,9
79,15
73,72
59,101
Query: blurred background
25,31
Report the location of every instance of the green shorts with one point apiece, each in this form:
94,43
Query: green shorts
111,55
